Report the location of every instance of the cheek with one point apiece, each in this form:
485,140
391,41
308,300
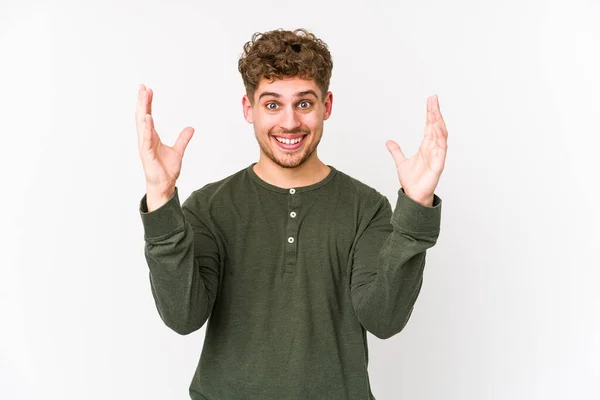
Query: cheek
264,133
264,123
313,122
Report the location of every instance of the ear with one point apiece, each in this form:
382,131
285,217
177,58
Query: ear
247,108
328,105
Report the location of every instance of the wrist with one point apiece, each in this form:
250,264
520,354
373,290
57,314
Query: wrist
162,190
426,201
157,198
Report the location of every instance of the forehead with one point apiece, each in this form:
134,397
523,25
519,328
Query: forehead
286,88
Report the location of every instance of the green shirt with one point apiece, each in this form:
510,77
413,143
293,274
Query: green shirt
291,279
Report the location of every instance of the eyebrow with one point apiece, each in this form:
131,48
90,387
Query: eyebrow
299,94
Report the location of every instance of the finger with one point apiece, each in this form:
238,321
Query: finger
150,97
396,152
429,119
141,90
429,132
137,105
428,116
440,123
438,118
435,104
435,108
182,141
140,108
139,117
148,126
441,140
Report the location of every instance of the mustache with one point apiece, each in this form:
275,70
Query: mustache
281,132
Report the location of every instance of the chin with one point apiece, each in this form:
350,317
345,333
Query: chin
289,160
289,163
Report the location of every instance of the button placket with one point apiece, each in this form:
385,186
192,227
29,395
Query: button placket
292,231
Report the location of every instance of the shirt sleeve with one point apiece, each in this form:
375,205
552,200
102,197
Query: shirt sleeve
183,260
388,262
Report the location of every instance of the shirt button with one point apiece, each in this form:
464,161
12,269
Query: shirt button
292,191
293,214
290,240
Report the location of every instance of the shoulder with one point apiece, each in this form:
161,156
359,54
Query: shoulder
219,192
362,192
367,204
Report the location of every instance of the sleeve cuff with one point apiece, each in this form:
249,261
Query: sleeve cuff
415,217
163,220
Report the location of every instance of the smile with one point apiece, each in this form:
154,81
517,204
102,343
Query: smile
289,141
290,144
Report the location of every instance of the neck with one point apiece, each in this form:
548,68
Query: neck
310,172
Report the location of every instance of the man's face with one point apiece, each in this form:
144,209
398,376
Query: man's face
288,116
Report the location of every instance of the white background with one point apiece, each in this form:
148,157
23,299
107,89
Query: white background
510,307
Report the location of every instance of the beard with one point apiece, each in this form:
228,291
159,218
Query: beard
291,160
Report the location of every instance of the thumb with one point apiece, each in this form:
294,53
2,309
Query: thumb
396,152
182,141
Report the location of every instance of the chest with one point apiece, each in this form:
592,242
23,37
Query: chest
307,234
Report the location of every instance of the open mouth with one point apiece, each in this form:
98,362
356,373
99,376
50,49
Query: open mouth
287,143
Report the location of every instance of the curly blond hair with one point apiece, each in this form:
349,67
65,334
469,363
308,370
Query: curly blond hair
282,54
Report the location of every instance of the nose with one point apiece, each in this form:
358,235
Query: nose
290,119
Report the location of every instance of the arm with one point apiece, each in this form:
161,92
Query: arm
183,258
388,262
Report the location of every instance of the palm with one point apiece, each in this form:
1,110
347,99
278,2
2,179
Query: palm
162,163
420,174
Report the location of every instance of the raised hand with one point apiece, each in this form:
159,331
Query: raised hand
420,174
161,163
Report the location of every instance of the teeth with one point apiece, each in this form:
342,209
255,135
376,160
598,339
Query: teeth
288,141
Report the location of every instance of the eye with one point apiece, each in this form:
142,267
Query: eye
304,104
272,106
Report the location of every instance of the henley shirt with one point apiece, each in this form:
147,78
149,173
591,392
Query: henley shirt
291,278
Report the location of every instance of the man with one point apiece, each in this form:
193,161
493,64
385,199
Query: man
292,259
